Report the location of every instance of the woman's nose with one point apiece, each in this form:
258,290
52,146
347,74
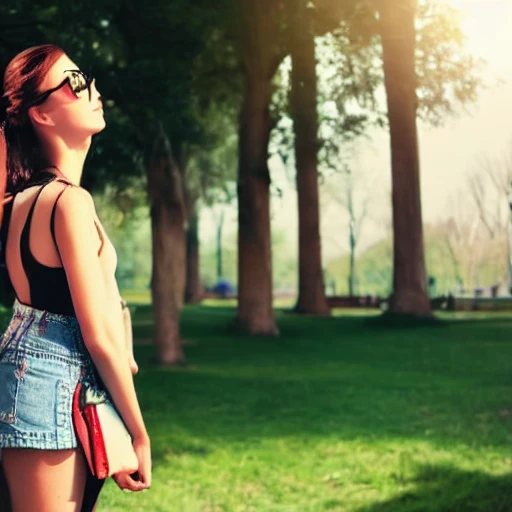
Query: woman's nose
94,91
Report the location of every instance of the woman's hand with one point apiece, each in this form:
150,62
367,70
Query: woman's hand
142,478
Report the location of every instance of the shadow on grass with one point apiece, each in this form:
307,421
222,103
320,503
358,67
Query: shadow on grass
479,318
403,321
446,489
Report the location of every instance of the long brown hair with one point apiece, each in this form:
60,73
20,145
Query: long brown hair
21,155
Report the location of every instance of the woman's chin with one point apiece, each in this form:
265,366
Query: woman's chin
99,127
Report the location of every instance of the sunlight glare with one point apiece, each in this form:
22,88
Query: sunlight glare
486,24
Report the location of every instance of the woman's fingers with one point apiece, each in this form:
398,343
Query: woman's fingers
141,479
145,477
127,482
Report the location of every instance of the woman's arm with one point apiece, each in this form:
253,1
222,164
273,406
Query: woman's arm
77,240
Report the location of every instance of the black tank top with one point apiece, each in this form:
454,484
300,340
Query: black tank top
48,286
49,289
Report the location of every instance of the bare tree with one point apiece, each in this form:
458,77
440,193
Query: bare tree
489,185
356,209
355,191
476,254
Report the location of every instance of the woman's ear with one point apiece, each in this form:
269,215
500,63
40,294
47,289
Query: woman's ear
40,118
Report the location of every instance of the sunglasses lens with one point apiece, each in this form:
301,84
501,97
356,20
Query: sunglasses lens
77,82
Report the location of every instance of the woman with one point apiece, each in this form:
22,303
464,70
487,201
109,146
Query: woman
67,313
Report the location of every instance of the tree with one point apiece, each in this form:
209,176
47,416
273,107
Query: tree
356,219
359,193
460,251
211,173
262,47
304,21
193,288
349,94
435,74
163,139
165,191
397,28
225,199
173,47
303,102
374,270
260,57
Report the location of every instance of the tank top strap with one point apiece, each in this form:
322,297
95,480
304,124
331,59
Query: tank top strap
28,221
54,210
25,253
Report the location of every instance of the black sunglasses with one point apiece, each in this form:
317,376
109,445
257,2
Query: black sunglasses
78,81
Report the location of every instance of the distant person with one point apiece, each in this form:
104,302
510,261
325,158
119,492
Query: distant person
67,318
223,288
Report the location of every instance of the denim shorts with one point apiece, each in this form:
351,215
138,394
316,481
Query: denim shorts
42,356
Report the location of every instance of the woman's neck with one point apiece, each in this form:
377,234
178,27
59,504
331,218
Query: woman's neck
68,163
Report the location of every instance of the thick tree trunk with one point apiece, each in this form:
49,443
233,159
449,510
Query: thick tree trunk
168,243
398,40
193,289
255,312
259,32
305,117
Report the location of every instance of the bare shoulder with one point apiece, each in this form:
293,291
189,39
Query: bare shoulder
75,202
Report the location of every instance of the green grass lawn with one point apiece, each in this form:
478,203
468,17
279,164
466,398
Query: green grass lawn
333,415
